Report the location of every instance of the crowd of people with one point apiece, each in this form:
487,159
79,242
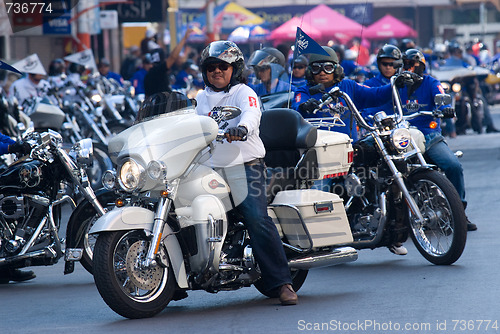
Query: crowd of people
220,73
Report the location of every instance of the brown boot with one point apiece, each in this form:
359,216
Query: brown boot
287,295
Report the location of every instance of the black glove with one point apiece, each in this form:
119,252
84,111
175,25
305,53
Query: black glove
309,106
20,147
404,79
239,131
448,112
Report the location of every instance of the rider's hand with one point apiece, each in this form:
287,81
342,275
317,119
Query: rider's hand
236,133
20,147
309,106
448,112
403,80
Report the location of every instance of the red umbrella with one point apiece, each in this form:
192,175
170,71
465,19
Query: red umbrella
388,27
288,30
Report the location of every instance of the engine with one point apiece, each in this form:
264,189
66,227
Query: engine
19,219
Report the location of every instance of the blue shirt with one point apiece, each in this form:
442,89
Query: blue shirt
420,100
361,95
261,89
5,141
138,80
116,76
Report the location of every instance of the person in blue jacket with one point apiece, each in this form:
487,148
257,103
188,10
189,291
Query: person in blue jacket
420,96
327,71
103,68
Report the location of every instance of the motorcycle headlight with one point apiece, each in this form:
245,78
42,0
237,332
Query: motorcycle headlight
446,86
109,179
96,98
401,138
131,176
456,87
156,170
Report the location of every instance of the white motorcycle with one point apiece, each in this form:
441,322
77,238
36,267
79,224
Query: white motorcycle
171,229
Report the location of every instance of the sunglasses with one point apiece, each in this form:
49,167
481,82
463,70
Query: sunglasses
300,67
409,64
387,64
327,67
221,66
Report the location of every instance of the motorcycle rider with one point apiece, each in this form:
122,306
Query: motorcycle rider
421,94
222,68
57,73
7,274
473,89
269,67
32,85
299,71
389,59
326,71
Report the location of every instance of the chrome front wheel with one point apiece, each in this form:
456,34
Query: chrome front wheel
441,237
129,288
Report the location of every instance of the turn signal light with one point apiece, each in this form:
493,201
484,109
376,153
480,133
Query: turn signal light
119,202
433,124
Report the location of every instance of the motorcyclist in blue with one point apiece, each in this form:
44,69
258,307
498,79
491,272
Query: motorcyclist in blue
418,96
299,71
326,70
269,67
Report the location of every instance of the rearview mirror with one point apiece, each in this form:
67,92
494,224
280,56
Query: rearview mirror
442,99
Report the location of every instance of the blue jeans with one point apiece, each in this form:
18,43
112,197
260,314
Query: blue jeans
264,237
438,151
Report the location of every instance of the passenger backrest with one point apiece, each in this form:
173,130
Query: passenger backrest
285,133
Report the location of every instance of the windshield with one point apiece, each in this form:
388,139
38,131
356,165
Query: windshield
163,104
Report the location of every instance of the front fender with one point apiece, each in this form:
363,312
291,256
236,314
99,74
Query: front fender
136,218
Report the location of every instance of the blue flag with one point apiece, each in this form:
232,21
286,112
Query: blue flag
305,44
5,66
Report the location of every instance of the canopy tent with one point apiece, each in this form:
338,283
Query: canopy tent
249,33
228,16
288,30
332,24
388,27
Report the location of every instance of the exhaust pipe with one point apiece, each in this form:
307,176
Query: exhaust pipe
44,253
325,259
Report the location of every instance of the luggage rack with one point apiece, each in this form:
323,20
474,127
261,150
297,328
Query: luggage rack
326,122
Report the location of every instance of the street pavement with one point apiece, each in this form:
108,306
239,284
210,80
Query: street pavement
379,293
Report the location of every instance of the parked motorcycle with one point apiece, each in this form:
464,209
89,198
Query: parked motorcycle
172,229
391,192
33,190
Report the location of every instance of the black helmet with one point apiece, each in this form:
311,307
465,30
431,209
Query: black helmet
301,60
392,52
163,103
56,67
340,51
76,68
411,56
406,44
266,57
223,51
454,47
338,73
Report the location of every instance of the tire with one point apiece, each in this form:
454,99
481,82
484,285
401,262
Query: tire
298,278
441,238
131,292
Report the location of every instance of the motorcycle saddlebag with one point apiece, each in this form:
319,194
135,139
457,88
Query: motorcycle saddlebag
334,151
311,218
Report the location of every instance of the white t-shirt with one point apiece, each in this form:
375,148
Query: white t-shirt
24,89
237,152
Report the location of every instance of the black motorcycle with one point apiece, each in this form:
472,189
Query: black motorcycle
33,190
